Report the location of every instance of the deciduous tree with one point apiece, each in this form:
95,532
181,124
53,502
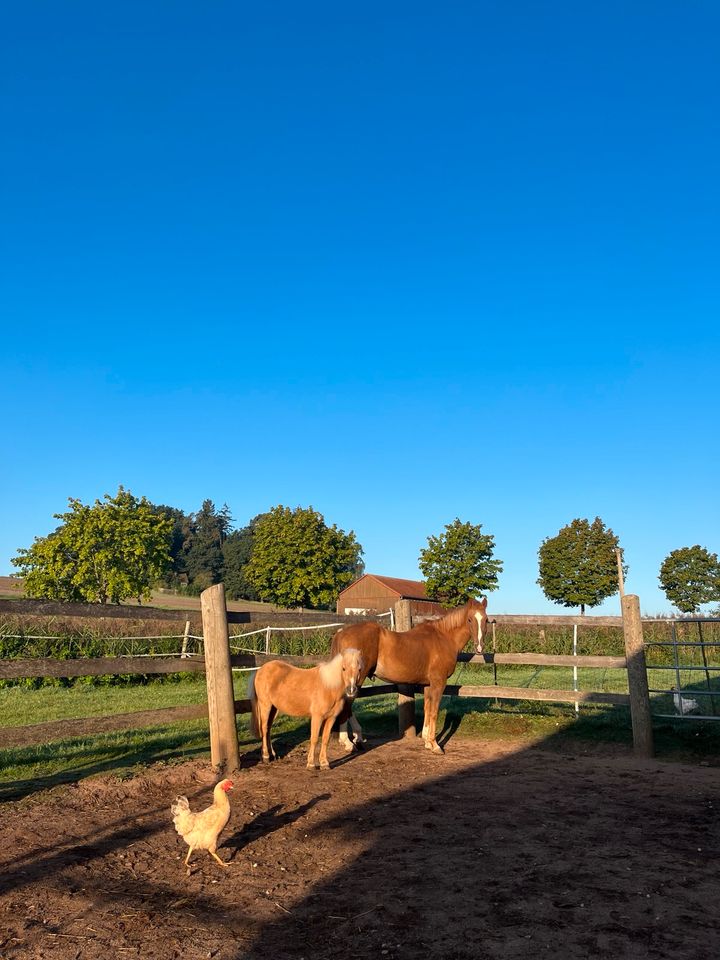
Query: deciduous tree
690,577
459,563
299,561
110,551
578,566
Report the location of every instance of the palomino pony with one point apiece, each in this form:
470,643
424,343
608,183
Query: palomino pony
320,693
426,655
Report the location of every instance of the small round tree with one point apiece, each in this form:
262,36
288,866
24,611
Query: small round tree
298,561
690,577
578,566
459,564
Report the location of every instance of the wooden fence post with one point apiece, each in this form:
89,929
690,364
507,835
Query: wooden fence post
637,677
224,753
406,694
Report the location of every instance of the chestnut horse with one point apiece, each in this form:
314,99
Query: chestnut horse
425,655
320,693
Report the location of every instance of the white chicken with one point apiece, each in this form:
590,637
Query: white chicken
682,704
201,830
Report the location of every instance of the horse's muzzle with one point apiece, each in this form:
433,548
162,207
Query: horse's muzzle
479,649
351,691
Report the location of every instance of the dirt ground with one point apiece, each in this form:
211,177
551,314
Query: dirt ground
493,851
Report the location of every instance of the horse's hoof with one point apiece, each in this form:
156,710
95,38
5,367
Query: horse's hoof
324,766
266,759
359,744
436,748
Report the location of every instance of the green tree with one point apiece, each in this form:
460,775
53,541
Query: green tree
459,564
578,566
176,543
237,551
204,535
298,561
110,551
690,577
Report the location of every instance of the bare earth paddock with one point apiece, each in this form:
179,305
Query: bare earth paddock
493,851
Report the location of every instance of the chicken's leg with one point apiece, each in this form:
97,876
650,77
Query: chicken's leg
221,862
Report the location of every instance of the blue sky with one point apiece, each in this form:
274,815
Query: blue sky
402,262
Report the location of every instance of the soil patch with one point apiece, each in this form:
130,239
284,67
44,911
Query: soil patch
497,850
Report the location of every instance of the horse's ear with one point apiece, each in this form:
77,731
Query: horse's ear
483,603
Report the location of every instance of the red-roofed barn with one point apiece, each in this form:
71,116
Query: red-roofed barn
374,594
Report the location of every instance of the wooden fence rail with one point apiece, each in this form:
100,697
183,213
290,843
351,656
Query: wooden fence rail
222,709
99,666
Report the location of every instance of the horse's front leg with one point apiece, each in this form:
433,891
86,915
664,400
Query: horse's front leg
344,737
351,737
326,731
354,723
344,720
314,733
432,705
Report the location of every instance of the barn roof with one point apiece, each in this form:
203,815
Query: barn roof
405,589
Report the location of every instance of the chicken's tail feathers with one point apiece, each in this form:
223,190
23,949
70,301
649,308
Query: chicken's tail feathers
180,811
254,719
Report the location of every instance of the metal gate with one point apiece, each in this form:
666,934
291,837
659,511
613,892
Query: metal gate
696,698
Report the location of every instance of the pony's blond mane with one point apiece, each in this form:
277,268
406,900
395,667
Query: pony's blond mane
331,671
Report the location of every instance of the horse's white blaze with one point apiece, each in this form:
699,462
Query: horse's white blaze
479,619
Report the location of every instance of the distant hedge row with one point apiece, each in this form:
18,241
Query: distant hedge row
50,637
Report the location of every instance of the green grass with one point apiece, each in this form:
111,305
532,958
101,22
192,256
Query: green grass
26,769
20,706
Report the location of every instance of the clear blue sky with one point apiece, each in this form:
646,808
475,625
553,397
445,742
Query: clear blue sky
403,262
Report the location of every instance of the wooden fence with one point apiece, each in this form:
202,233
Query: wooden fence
221,707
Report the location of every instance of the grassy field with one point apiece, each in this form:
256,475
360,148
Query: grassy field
11,588
23,769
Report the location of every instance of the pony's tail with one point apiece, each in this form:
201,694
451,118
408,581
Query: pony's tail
254,722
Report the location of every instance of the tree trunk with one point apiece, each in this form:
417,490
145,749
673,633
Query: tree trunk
582,609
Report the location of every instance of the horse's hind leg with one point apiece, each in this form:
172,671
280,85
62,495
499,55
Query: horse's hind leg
266,715
432,705
270,720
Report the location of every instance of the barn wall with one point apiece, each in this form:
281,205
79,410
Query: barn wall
369,595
